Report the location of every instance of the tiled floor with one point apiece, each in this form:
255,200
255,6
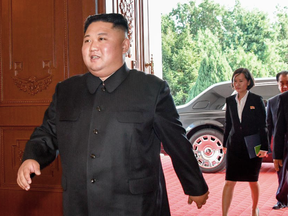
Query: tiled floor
241,203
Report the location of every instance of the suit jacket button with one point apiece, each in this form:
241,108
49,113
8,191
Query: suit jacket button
93,156
93,181
95,131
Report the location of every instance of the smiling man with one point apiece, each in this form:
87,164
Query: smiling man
107,126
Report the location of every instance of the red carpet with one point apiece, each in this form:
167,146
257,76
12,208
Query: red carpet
241,203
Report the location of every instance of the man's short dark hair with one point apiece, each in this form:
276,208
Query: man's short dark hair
118,20
247,75
285,73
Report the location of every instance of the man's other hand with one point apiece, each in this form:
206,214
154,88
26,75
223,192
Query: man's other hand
199,200
277,164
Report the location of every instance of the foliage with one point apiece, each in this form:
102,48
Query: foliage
213,67
203,44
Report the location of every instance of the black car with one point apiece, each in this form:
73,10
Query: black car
204,118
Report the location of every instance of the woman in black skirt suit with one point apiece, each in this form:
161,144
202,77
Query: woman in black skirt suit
245,115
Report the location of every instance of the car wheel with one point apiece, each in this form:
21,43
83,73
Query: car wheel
208,150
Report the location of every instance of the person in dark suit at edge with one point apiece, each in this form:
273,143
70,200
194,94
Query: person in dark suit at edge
245,115
280,158
108,125
272,107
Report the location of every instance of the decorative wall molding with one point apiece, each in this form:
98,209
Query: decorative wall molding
127,9
32,85
13,143
17,152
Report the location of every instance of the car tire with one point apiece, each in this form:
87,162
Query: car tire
208,150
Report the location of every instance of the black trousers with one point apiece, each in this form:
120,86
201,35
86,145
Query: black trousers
282,191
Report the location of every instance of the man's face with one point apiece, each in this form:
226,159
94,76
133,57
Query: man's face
104,49
283,83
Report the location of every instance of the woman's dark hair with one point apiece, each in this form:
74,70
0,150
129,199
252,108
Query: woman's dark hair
247,74
118,21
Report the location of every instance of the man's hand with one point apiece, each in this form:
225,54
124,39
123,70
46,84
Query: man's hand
199,200
277,164
23,176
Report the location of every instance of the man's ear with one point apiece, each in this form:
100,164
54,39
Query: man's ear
126,45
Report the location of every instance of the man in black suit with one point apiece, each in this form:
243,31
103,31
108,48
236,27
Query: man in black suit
272,107
108,125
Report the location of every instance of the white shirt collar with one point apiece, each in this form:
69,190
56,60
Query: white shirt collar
241,104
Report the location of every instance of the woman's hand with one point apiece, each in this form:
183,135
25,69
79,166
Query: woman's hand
262,154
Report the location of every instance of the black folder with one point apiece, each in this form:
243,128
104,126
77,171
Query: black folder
253,145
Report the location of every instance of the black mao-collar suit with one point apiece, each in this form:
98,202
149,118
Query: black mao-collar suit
108,135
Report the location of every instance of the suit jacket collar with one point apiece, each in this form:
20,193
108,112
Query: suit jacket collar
247,105
111,83
245,108
234,108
